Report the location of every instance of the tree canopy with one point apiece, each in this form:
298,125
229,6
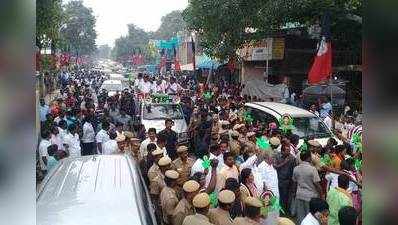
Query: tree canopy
78,30
223,24
171,24
49,18
137,40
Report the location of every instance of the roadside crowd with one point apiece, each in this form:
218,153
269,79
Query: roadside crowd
233,170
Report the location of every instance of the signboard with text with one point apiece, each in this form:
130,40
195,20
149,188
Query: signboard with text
266,49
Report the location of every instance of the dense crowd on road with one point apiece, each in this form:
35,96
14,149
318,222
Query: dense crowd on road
233,170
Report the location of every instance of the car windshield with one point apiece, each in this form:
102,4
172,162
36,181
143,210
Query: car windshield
307,127
162,111
112,87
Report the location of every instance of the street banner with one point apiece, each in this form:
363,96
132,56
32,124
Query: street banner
321,68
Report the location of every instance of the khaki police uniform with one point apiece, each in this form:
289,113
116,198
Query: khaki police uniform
249,202
184,208
201,200
168,198
219,216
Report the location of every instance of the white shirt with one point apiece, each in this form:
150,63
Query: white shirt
88,133
220,159
56,140
137,83
110,147
146,87
197,167
62,133
267,174
173,88
309,219
144,145
102,136
43,152
73,143
332,179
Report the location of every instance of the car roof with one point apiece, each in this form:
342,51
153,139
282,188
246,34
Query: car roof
97,189
112,82
115,75
281,109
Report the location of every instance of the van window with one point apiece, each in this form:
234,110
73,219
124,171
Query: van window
261,116
310,127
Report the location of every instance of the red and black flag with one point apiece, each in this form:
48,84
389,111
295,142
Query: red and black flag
321,68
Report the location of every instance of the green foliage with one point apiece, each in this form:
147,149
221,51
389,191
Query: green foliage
79,29
137,40
171,24
49,18
103,51
222,23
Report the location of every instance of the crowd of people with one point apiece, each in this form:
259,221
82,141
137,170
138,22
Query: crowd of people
233,170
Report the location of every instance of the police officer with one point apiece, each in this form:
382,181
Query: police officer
252,212
234,144
220,215
201,202
168,196
184,206
183,165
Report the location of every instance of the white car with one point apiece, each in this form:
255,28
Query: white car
153,115
112,86
306,124
95,189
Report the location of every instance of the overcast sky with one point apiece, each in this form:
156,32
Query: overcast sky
114,15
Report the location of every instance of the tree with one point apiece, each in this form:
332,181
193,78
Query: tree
49,18
103,51
171,24
223,24
79,28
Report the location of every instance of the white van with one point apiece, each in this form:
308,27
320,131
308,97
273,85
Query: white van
112,86
94,190
306,124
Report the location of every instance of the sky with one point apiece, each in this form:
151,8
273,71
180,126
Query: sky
114,15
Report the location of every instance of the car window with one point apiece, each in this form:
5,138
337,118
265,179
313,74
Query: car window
112,87
261,116
158,112
308,127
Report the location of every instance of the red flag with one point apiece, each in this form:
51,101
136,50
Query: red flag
322,67
231,64
177,66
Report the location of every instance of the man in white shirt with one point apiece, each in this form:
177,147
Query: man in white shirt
138,82
319,213
43,154
146,85
44,110
151,139
88,138
72,142
102,136
173,87
110,147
